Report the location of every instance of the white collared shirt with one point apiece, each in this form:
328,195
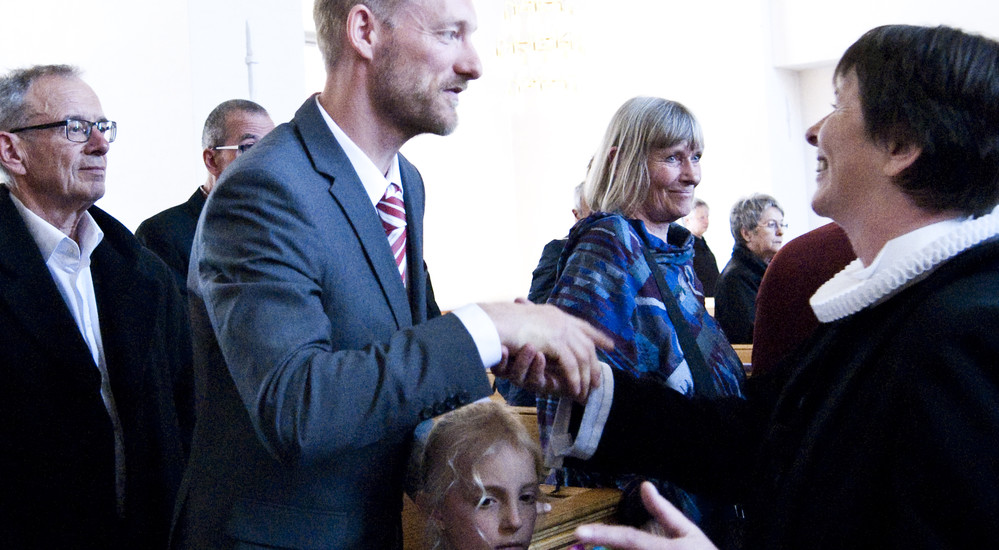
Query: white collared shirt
476,321
69,265
900,262
375,183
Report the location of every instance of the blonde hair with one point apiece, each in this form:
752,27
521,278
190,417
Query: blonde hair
456,444
618,181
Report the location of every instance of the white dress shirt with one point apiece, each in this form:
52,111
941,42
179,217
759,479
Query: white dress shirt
69,264
476,321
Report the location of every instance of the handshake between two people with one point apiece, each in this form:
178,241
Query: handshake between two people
546,350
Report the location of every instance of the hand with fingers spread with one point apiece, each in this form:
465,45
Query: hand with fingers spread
547,350
680,532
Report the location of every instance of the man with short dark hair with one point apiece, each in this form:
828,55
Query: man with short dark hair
95,398
230,130
319,347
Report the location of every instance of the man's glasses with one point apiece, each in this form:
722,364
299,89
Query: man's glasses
78,131
240,149
773,225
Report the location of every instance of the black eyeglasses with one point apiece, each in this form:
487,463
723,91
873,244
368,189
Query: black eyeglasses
240,149
78,131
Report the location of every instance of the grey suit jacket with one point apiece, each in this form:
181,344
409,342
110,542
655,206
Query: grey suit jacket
313,364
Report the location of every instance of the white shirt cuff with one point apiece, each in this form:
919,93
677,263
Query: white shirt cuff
591,428
483,332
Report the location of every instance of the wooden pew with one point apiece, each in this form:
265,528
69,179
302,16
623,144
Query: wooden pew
571,507
745,353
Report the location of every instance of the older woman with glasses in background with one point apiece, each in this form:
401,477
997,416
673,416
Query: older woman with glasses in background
758,228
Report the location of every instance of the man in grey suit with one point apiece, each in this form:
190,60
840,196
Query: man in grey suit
318,347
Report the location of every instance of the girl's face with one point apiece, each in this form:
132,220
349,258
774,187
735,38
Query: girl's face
502,512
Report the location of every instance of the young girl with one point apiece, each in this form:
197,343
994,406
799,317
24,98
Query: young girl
479,480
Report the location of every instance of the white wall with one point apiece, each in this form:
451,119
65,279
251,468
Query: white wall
755,72
159,68
811,33
518,156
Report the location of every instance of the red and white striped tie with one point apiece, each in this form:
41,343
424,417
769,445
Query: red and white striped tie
392,211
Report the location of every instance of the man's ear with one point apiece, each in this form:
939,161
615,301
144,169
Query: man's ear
11,156
211,163
900,157
362,30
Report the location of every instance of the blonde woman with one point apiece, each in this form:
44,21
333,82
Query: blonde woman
627,270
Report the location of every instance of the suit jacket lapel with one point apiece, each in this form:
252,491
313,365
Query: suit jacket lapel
26,286
414,198
126,317
329,160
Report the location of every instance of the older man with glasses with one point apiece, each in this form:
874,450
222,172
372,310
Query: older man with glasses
230,130
94,347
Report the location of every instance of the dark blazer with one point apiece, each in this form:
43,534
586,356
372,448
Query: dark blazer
885,436
543,277
735,295
705,265
56,440
323,363
170,233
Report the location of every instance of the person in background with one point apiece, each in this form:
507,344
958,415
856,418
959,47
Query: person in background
96,403
230,130
542,281
705,264
543,277
884,433
479,480
758,229
784,319
627,269
318,345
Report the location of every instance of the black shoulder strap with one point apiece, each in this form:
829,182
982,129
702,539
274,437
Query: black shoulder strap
692,352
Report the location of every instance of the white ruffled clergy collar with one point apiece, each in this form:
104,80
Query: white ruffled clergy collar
902,261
